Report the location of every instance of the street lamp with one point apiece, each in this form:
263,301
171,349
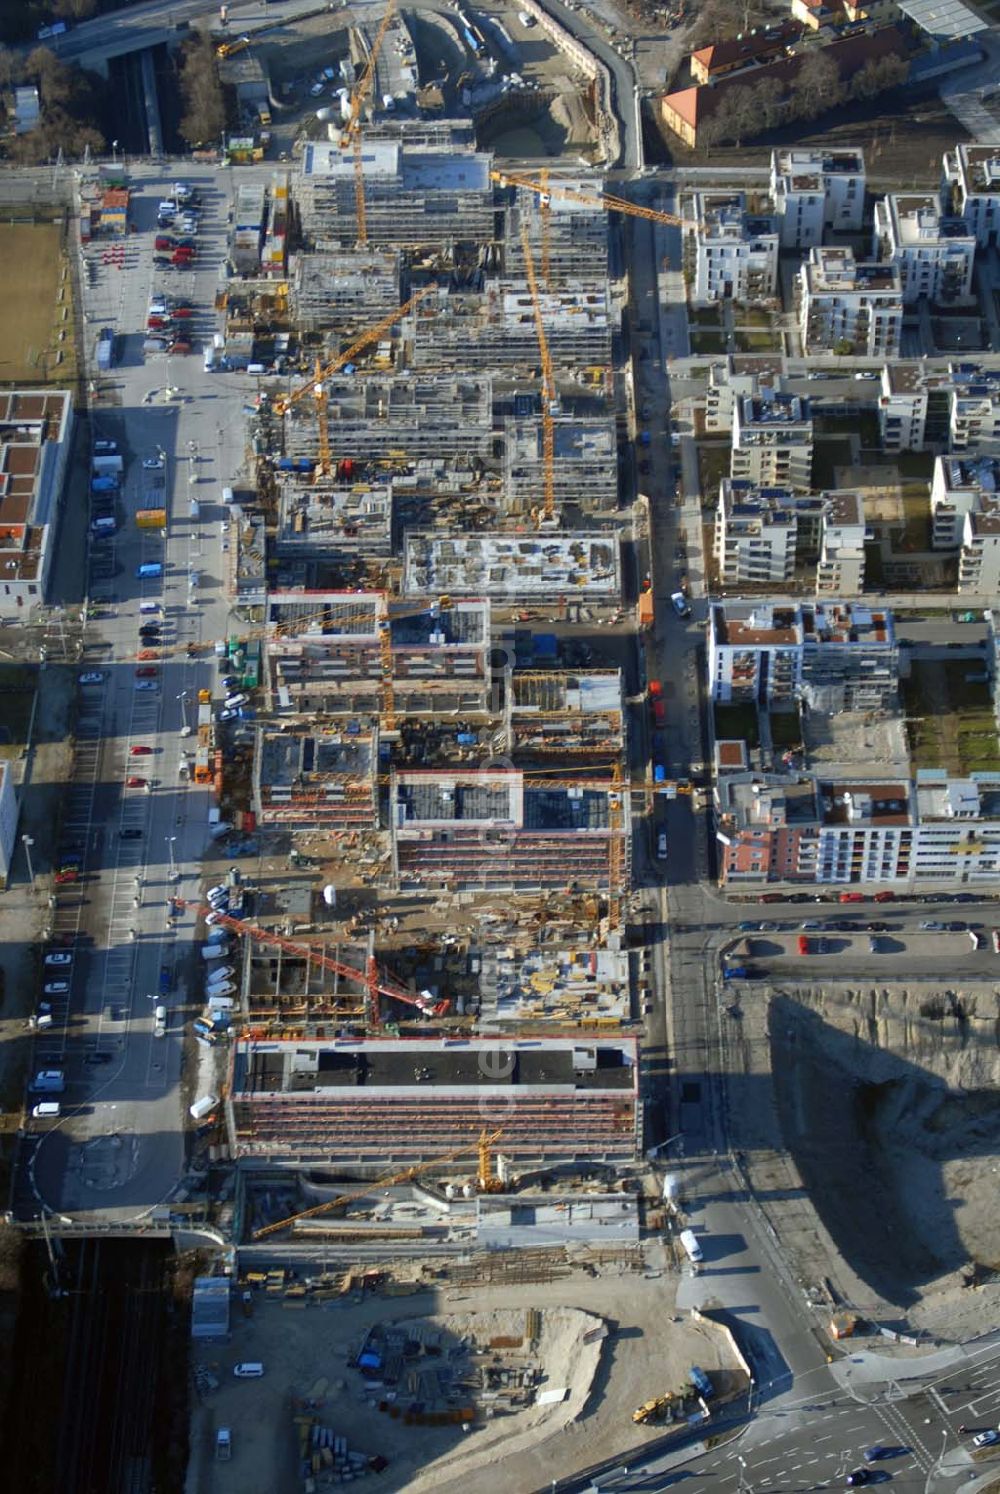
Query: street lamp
27,843
173,865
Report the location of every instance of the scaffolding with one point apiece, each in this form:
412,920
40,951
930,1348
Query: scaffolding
397,418
342,293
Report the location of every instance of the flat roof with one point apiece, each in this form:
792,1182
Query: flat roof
944,19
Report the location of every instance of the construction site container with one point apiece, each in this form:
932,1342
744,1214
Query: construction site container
151,518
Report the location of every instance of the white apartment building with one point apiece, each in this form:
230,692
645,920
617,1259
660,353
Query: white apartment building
956,410
756,533
836,656
36,428
773,440
979,557
9,811
934,253
960,487
937,831
734,250
816,190
762,535
971,188
735,377
849,307
974,421
840,566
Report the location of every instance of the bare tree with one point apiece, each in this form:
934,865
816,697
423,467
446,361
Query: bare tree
877,75
718,20
768,99
817,87
73,10
204,106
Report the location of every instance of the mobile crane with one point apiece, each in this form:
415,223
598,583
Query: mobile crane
486,1182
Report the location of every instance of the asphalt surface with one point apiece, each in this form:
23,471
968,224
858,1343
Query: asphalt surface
119,1148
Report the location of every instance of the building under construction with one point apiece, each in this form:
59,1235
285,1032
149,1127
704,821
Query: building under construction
421,199
396,418
490,830
494,327
576,717
358,654
585,471
377,1102
330,521
342,293
318,780
513,568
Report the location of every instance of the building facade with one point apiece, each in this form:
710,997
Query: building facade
773,440
934,253
36,429
971,188
847,307
734,250
815,191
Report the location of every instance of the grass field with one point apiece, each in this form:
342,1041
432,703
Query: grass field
28,306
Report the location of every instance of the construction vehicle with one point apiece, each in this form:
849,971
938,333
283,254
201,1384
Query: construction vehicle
229,49
486,1182
550,397
351,136
316,388
659,1409
605,200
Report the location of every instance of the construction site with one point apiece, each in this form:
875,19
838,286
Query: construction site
424,1043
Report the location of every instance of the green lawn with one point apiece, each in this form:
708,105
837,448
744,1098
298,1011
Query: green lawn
737,723
713,464
756,342
951,722
786,729
707,341
704,316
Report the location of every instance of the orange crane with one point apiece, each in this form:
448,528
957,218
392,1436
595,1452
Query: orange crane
550,397
351,136
486,1181
229,49
317,388
605,200
375,981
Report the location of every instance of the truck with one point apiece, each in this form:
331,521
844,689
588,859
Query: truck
690,1246
223,1445
105,351
151,518
701,1382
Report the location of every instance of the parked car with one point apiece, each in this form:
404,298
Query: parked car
152,464
130,834
56,988
986,1439
147,672
931,925
145,684
133,781
58,957
91,677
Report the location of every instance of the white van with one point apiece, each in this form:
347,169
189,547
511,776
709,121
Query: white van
160,1022
149,609
203,1107
227,497
47,1110
689,1242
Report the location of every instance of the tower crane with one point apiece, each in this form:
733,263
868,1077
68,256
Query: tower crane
351,136
375,981
549,394
605,200
284,402
486,1182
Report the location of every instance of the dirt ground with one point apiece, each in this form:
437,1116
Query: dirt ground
28,305
307,1353
872,1121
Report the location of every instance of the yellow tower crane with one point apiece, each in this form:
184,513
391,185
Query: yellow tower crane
487,1182
549,395
605,200
317,387
351,136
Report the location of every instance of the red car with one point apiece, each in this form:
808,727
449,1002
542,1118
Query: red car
148,672
182,256
162,242
803,945
182,311
884,897
140,751
63,877
153,323
134,782
852,897
179,347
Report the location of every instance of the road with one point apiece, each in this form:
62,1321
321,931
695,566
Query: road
119,1148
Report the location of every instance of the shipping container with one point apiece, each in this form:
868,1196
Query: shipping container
151,518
